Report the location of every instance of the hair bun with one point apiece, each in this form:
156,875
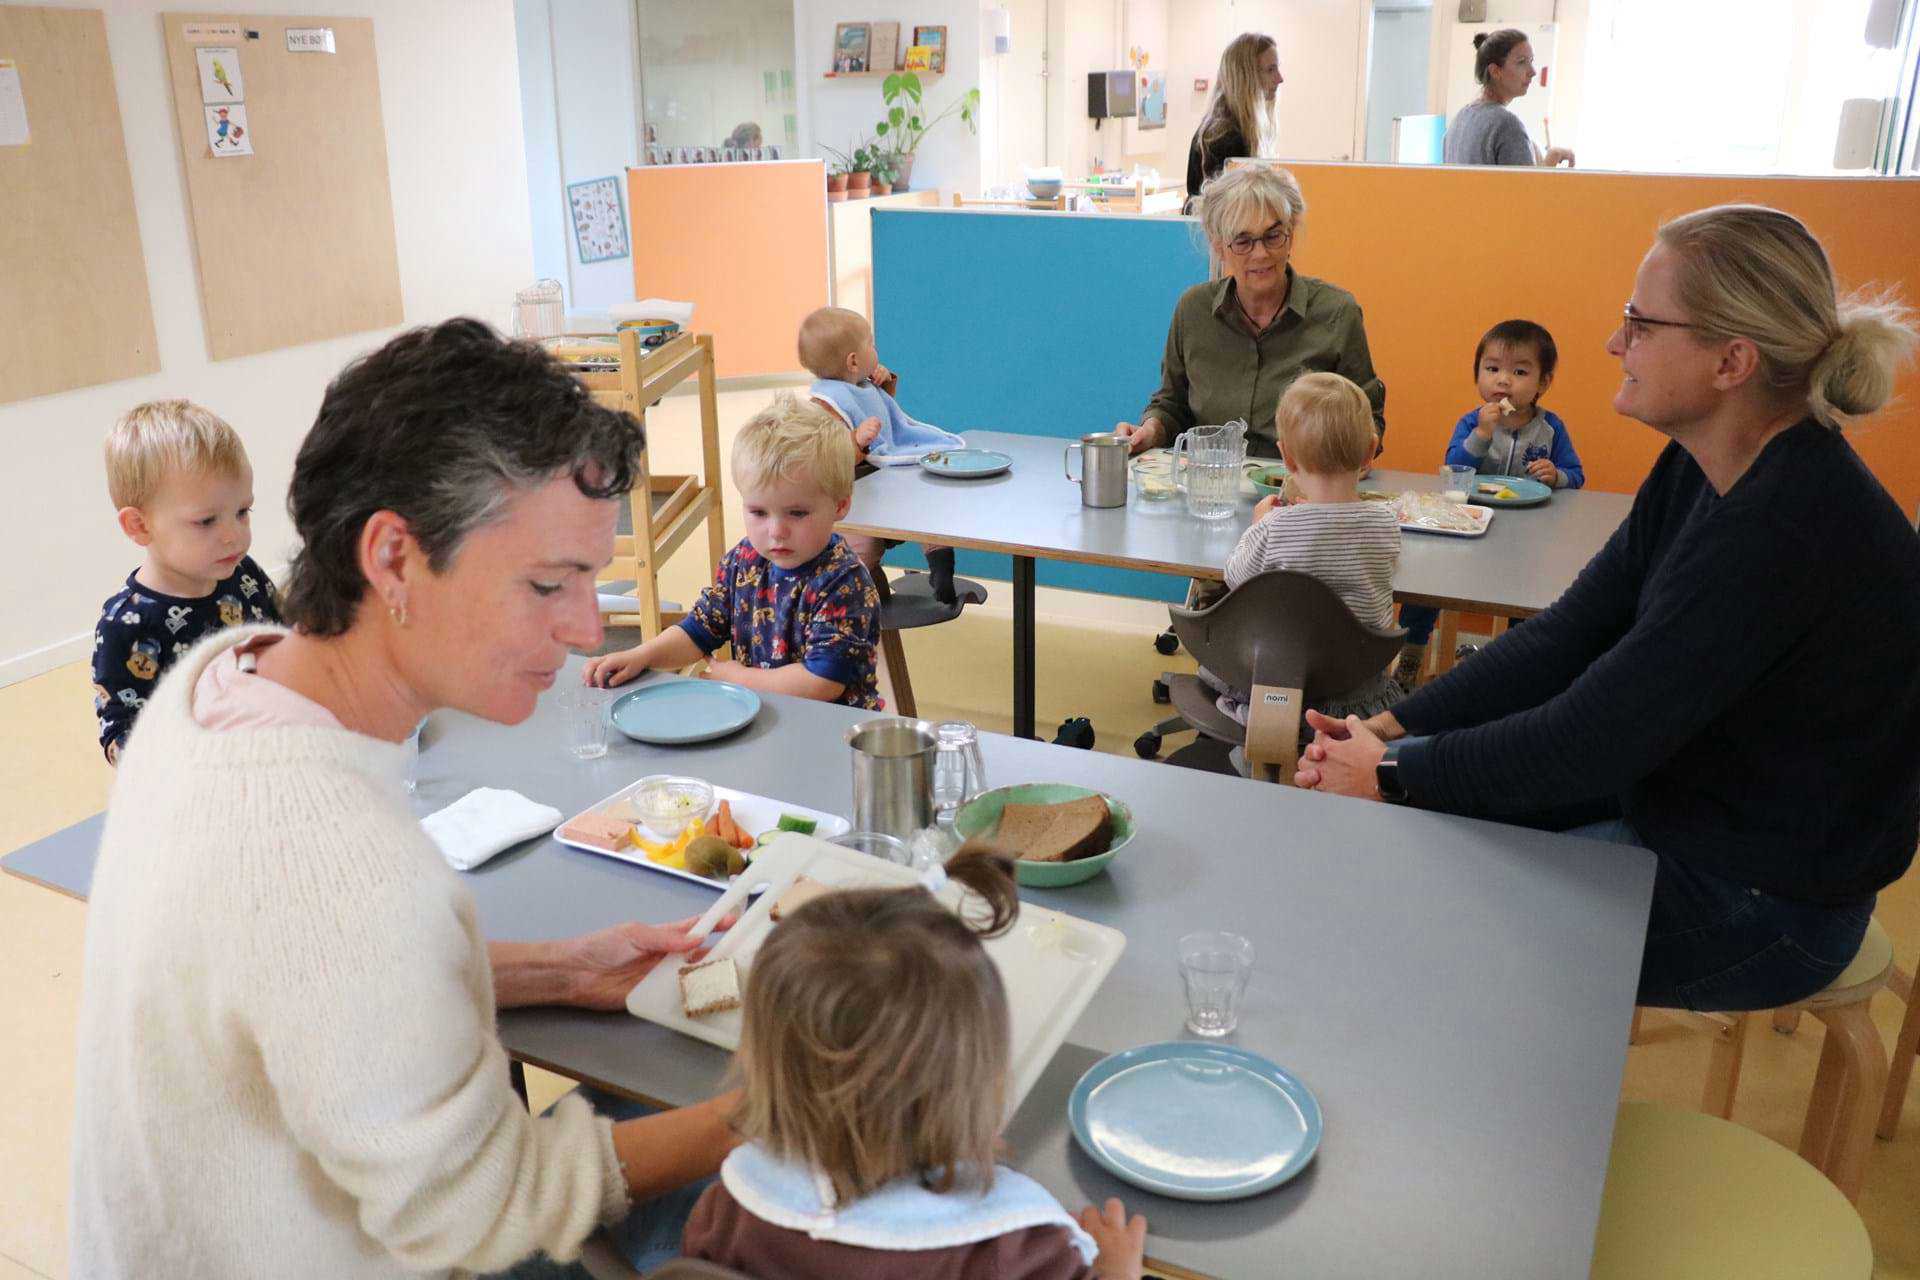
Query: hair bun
1856,374
1479,40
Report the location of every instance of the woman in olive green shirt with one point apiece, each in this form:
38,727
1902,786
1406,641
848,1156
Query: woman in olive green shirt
1238,342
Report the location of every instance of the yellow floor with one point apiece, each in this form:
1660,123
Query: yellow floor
51,775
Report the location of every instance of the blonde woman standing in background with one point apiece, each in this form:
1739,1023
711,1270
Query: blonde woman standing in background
1239,119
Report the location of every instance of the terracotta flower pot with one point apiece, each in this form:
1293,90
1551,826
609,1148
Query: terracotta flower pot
837,182
859,185
882,188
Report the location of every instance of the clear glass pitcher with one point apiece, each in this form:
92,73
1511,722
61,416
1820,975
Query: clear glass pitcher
1213,458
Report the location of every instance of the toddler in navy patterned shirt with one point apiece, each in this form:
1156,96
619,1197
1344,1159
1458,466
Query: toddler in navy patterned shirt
180,478
792,599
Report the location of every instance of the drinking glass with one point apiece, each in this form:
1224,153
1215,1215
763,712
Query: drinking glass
1214,966
958,773
876,844
413,758
586,711
1456,483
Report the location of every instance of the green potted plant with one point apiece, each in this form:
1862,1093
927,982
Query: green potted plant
900,133
860,176
839,165
885,166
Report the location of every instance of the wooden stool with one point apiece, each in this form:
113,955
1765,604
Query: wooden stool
1904,1048
1852,1076
1690,1195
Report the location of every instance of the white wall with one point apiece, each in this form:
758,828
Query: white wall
1396,74
450,97
840,111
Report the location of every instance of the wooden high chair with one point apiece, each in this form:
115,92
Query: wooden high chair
666,509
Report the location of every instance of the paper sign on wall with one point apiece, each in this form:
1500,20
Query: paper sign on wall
309,39
213,32
227,133
13,106
220,79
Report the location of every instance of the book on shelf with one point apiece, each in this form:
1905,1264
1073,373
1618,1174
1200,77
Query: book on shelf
919,58
884,54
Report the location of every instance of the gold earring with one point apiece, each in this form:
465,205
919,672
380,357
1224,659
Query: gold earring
398,612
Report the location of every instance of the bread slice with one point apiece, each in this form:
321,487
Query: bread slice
601,830
1057,832
803,890
712,986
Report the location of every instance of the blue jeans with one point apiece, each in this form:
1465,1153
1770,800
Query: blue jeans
650,1233
1715,946
1418,619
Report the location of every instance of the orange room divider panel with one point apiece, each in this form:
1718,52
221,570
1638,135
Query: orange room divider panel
745,243
1436,256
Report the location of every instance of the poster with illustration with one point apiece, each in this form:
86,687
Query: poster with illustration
227,133
1151,93
220,79
599,219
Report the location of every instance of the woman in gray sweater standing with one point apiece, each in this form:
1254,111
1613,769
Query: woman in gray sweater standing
1485,131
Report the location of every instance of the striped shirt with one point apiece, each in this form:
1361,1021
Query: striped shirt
1353,547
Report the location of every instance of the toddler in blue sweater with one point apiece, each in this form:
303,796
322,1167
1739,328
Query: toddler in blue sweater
837,348
1509,434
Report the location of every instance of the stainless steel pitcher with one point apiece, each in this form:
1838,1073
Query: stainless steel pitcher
1103,469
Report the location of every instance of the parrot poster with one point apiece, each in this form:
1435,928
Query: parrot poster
221,80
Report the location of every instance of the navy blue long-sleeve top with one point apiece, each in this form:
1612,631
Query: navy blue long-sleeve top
1738,670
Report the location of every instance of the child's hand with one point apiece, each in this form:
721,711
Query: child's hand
1122,1241
884,378
727,670
1543,470
866,433
1490,415
610,669
1267,506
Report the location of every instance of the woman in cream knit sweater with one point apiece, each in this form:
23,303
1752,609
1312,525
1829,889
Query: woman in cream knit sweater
288,1060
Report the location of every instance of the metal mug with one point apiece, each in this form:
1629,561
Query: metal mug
1103,469
893,760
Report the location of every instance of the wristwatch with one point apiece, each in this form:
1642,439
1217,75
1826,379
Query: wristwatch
1386,776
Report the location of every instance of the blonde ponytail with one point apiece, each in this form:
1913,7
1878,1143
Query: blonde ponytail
1855,376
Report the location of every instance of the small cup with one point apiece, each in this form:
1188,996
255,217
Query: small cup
1456,483
586,711
875,844
413,758
1214,967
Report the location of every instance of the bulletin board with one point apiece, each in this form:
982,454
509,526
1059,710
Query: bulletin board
293,217
78,313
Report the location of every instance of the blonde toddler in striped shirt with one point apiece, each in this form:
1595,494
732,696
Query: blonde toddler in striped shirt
1323,526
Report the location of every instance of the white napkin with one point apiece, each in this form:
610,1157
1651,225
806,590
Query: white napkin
483,822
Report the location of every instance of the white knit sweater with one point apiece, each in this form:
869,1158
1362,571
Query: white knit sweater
288,1062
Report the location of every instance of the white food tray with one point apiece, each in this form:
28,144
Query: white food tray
1050,963
756,814
1481,516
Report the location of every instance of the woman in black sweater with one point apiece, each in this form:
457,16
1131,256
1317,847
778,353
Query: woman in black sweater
1731,681
1239,111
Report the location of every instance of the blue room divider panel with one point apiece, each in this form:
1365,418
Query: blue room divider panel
1042,323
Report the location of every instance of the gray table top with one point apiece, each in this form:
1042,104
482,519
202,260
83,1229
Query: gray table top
1456,993
1527,558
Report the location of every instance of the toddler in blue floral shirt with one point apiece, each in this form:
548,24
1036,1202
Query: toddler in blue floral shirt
792,599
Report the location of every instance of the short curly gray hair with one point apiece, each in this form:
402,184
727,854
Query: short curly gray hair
1228,200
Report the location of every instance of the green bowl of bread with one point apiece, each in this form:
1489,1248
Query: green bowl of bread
1058,833
1267,477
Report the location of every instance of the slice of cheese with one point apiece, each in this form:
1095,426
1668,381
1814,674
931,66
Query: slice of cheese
600,830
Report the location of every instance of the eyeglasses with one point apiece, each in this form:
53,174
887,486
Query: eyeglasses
1274,237
1635,326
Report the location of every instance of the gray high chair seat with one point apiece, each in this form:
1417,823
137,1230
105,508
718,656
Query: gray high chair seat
1291,642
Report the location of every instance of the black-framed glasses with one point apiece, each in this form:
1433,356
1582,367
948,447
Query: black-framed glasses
1636,326
1273,237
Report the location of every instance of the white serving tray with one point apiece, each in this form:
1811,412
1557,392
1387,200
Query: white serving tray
755,814
1481,516
1050,963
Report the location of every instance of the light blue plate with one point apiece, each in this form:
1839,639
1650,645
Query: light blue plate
681,711
966,464
1531,492
1195,1121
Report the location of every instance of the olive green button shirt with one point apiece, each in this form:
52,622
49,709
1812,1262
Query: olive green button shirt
1214,372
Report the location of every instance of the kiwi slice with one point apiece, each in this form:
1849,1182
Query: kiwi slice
710,856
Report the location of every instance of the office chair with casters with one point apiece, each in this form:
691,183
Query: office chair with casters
1289,640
